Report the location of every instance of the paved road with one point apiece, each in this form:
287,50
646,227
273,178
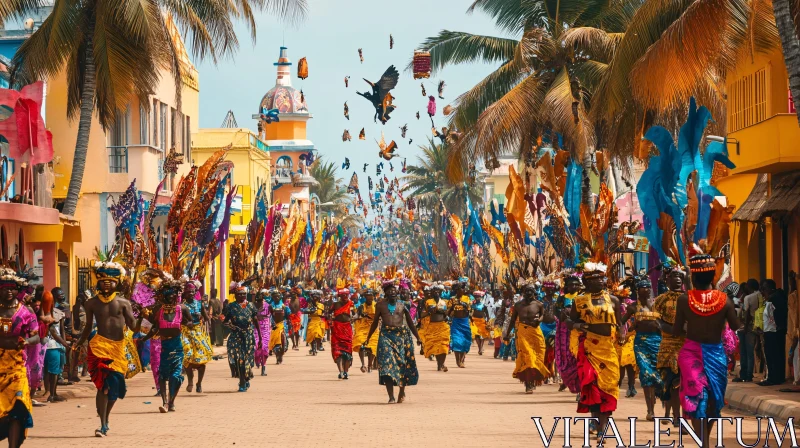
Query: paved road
302,404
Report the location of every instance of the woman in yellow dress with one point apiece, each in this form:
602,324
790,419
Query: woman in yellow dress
365,314
594,317
315,330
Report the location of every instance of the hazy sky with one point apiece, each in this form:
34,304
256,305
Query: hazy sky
329,38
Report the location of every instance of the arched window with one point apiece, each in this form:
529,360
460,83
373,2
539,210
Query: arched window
283,167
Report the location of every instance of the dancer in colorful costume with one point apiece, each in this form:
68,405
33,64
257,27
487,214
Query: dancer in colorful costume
315,330
196,342
342,333
665,305
19,329
264,327
460,331
397,366
169,318
702,359
106,353
647,342
566,363
480,319
437,332
278,342
594,317
241,318
525,317
365,315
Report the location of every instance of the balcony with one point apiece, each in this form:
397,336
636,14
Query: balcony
140,162
771,146
282,176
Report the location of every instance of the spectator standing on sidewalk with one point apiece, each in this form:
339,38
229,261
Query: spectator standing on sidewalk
747,335
775,317
217,330
793,329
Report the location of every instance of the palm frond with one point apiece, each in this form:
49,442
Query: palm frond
456,47
17,9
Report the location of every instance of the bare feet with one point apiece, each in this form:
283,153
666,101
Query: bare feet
444,368
162,409
189,387
363,369
401,398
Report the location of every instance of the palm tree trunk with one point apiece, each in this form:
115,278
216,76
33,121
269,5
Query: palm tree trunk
791,46
84,123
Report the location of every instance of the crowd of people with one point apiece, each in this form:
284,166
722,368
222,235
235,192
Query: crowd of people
575,329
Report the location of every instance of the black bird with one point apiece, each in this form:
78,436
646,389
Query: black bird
380,97
365,167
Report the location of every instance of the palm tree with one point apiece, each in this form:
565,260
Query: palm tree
114,50
333,194
545,80
787,28
429,184
677,49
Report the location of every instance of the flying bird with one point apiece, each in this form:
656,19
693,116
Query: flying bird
362,135
346,164
365,167
403,130
346,82
387,151
346,111
417,115
404,166
380,97
391,167
346,136
423,89
391,42
441,89
361,55
302,97
431,106
410,141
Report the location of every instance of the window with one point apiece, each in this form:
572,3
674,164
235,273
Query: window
155,109
188,141
118,145
144,122
747,100
283,167
163,127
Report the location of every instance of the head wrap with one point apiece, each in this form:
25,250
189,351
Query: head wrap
108,269
388,284
643,282
343,292
701,262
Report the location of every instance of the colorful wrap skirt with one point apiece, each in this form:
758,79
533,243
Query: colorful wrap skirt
530,366
170,366
241,348
15,393
598,373
396,362
341,340
480,325
35,364
155,357
460,335
107,366
646,348
703,377
316,329
437,339
197,349
262,350
276,336
566,363
134,366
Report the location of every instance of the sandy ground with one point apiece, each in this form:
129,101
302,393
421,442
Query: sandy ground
302,404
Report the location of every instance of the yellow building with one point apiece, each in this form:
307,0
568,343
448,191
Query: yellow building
133,149
251,171
764,142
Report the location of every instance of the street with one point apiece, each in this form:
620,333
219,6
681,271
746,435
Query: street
302,404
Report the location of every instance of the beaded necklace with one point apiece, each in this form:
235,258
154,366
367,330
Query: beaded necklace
706,303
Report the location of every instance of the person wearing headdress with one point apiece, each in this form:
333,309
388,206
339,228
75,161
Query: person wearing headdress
264,327
480,319
667,363
295,318
594,318
526,315
19,329
365,314
169,317
423,317
627,359
566,363
460,331
397,366
241,318
702,359
278,314
548,291
315,330
342,332
196,342
106,353
646,342
437,332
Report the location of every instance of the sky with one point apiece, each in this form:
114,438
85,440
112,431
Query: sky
329,38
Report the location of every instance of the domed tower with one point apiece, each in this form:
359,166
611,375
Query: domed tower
282,118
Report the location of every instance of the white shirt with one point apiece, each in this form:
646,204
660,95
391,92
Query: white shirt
769,318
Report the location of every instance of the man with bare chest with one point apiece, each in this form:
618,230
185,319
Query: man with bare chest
106,353
397,366
702,359
526,315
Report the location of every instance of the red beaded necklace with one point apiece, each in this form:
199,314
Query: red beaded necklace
706,303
